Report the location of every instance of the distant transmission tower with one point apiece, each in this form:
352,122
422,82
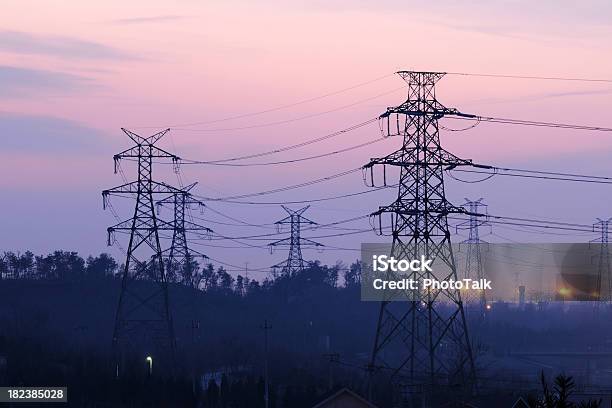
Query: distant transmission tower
423,340
474,268
295,262
604,280
143,321
181,258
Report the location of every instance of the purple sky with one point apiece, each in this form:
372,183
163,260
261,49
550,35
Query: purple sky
72,74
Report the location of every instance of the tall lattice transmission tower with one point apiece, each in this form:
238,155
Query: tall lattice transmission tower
295,262
181,260
143,322
424,339
474,268
604,279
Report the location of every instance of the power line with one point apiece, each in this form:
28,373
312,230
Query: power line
312,200
340,234
286,148
547,78
326,248
307,201
225,162
264,226
546,232
533,222
562,223
241,268
238,220
316,227
497,219
538,175
285,121
232,224
541,175
554,173
281,189
326,95
317,156
285,106
510,121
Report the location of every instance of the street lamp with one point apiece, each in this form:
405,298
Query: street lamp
149,360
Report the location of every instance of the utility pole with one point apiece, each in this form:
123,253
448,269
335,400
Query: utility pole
195,326
517,281
295,262
142,320
180,256
332,358
474,269
265,328
423,340
604,280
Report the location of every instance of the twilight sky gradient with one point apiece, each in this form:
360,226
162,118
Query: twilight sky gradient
73,73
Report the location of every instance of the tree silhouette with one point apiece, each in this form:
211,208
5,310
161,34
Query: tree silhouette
560,395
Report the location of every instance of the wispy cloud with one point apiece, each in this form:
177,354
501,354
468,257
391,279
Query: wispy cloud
18,81
63,47
152,19
46,134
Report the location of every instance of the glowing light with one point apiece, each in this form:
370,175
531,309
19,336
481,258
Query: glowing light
149,360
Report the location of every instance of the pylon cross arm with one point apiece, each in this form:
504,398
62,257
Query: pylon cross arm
284,241
306,241
438,157
151,151
127,225
135,187
433,109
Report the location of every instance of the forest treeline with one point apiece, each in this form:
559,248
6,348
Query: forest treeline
70,266
58,309
57,317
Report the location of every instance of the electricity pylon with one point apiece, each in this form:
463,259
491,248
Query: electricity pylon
604,280
423,340
181,259
473,261
143,322
295,262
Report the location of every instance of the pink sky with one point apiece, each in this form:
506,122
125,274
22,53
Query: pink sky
106,65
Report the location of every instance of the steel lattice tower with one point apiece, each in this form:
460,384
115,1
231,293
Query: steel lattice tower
181,258
473,260
295,262
604,280
143,321
423,340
